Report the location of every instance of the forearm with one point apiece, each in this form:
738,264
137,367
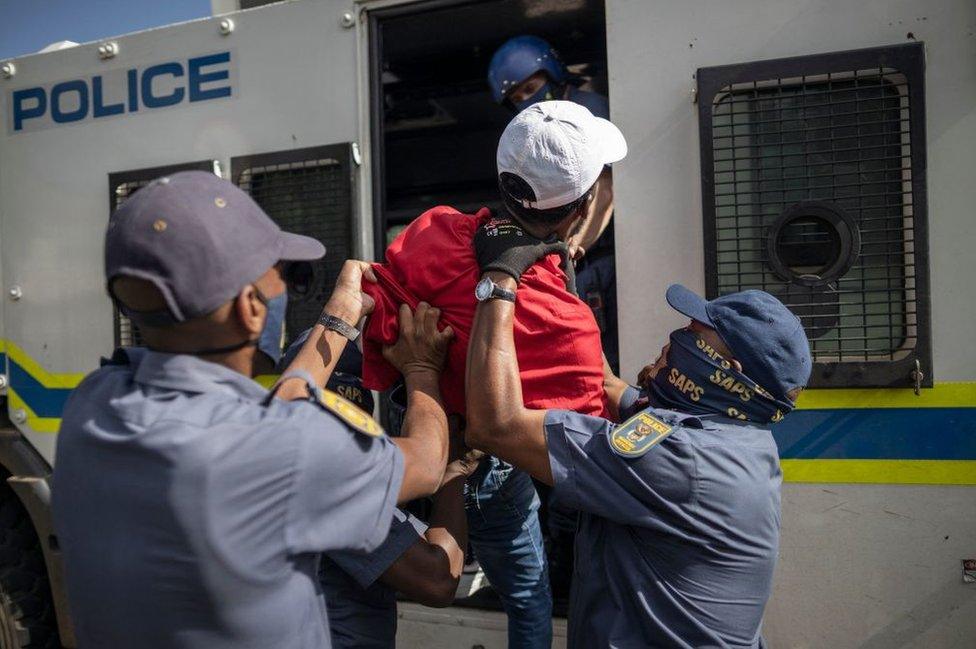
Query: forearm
448,524
498,422
493,383
424,436
602,205
428,571
320,353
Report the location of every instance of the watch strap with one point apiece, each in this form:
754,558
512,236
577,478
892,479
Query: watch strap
339,326
501,293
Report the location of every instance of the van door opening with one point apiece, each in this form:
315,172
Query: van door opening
435,125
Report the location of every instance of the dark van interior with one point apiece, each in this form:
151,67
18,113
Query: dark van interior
435,123
436,126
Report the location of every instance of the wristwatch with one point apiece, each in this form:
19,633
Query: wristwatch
487,290
339,326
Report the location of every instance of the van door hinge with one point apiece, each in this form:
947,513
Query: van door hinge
917,376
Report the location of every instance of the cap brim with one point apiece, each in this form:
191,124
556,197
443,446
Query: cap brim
297,247
689,303
612,143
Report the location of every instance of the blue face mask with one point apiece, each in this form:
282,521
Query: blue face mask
269,342
545,93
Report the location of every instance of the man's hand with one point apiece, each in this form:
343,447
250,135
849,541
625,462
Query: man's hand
461,460
348,301
420,347
644,377
501,245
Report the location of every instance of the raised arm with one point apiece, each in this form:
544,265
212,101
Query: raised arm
419,354
498,422
597,218
321,352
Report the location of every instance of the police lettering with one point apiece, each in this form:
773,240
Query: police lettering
728,383
735,414
712,354
686,385
157,86
350,392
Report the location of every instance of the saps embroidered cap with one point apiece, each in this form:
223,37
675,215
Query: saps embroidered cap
762,333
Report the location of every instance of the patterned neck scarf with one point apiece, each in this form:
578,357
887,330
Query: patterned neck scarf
698,380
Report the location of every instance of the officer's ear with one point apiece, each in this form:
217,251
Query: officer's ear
250,310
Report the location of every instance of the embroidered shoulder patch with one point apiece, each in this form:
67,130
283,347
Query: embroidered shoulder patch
349,413
638,435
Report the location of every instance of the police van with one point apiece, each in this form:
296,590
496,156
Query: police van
819,149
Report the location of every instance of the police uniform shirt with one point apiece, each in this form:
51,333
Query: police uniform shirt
676,547
191,515
596,284
362,609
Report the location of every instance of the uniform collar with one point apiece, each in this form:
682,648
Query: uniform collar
186,373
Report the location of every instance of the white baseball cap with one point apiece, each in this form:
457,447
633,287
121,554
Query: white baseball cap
559,148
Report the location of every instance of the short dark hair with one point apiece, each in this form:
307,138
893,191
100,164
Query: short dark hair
515,190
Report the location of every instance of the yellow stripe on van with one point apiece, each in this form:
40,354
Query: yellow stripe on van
42,376
931,472
942,395
35,423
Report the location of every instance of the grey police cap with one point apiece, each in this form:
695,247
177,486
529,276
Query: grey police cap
200,240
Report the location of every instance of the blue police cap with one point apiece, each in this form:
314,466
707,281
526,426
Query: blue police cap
762,333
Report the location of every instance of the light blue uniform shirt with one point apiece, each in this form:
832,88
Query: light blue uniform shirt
190,515
675,548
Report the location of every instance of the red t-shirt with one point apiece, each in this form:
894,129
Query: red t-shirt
557,340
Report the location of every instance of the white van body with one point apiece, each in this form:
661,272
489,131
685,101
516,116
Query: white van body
872,545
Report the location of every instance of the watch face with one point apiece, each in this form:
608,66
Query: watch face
482,291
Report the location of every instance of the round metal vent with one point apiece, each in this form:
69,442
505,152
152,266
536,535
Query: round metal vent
813,243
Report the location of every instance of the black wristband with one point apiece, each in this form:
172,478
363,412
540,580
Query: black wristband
339,326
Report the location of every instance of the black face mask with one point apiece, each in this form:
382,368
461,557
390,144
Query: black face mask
547,92
697,380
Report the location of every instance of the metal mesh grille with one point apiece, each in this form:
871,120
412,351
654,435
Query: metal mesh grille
126,333
311,197
843,139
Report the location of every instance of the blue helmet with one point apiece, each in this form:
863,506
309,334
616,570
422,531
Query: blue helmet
518,59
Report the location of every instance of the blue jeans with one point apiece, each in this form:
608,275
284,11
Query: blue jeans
504,530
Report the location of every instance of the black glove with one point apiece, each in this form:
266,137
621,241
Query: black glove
500,244
570,270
